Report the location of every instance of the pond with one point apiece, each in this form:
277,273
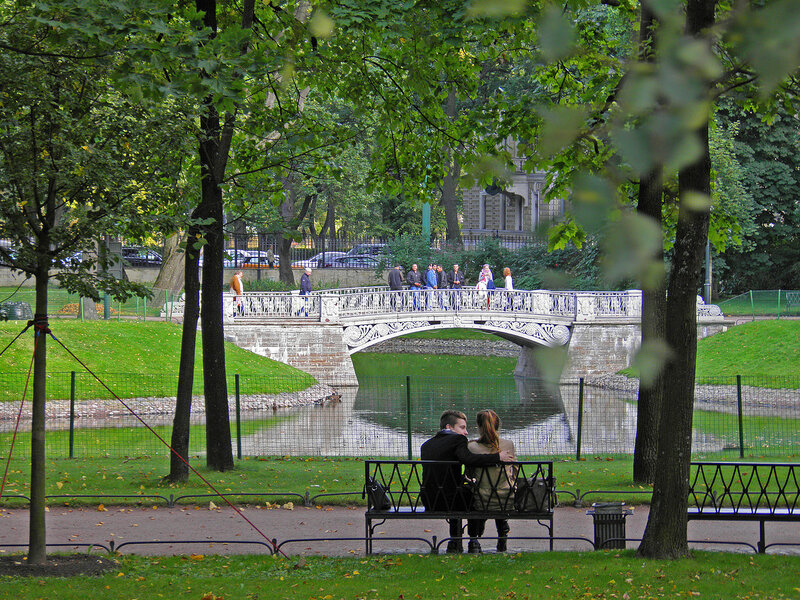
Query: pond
393,414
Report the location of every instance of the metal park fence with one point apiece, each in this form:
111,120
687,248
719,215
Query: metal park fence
780,303
392,416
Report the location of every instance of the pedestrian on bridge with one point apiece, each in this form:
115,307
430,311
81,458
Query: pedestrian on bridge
395,284
305,290
414,280
432,283
456,281
442,284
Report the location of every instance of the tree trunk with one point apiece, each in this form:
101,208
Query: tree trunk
651,191
653,328
449,199
179,469
285,266
37,538
171,275
665,534
219,454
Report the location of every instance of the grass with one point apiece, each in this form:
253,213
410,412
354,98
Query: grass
758,349
566,575
136,477
135,358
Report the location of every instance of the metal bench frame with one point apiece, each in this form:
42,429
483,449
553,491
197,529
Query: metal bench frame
402,481
744,491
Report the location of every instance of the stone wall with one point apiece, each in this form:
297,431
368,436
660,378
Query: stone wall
319,350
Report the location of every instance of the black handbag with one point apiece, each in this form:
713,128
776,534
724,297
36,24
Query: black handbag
532,494
379,499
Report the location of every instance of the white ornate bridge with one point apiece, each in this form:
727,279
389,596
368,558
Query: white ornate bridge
318,333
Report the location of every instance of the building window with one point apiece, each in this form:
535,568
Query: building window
482,212
520,206
503,204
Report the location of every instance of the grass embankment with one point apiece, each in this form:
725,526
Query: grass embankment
753,350
135,359
566,575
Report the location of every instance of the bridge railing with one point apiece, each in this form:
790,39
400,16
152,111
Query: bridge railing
273,305
376,302
332,305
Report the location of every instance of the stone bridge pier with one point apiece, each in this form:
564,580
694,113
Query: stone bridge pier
562,335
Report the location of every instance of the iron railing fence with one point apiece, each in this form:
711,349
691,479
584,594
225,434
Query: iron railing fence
392,416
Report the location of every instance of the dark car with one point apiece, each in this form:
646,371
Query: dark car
355,262
141,257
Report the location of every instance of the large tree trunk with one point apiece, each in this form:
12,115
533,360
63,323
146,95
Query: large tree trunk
179,459
654,301
665,534
171,275
37,538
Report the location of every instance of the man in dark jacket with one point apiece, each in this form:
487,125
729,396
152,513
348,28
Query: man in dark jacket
414,279
441,283
456,280
395,285
442,485
305,290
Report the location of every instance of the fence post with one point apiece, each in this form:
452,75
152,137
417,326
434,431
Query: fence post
72,415
580,418
238,420
408,414
752,306
144,310
119,310
741,420
779,303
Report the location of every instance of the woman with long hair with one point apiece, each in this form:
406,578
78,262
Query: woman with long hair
493,485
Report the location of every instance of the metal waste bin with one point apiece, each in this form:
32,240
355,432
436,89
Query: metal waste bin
609,524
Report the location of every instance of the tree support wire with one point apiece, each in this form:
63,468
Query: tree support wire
41,326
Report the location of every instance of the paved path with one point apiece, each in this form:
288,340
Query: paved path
203,524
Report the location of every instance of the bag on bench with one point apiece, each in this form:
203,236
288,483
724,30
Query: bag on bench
378,497
532,495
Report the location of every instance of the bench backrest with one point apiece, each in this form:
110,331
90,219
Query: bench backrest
417,486
742,486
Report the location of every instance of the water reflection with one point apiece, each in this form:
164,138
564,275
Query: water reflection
385,417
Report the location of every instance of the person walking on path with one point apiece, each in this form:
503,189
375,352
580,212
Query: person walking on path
270,257
443,486
494,485
305,290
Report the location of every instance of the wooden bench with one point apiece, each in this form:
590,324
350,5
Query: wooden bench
744,491
394,490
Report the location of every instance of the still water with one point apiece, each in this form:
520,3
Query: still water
393,415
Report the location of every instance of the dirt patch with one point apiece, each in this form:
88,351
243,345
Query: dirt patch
57,566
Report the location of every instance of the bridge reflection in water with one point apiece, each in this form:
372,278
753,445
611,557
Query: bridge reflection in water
374,420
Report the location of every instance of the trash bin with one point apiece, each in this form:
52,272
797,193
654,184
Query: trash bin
609,524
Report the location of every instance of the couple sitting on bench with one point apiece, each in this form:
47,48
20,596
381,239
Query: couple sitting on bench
444,488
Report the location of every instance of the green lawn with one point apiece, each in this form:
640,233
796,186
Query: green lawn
134,358
758,349
562,575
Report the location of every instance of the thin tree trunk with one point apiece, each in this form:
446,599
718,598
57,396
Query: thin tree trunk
665,534
653,328
449,199
179,469
654,307
37,533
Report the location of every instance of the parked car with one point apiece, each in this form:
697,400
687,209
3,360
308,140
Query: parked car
315,262
258,259
355,262
141,257
377,249
232,259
